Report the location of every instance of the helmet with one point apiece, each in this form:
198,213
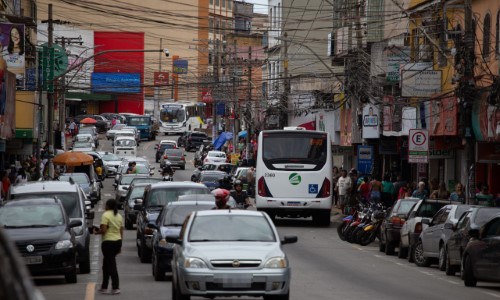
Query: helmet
221,195
238,182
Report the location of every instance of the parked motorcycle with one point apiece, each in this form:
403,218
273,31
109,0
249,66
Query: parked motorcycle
347,221
372,231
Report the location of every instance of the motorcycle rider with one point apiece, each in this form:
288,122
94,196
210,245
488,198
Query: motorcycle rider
168,170
225,183
221,198
240,196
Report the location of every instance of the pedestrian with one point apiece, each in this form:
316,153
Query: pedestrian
405,191
111,230
376,189
5,184
134,168
398,184
21,177
113,122
364,189
458,195
387,191
335,178
343,188
251,181
72,127
484,197
420,192
130,168
441,192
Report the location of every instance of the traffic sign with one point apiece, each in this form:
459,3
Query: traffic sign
418,146
161,78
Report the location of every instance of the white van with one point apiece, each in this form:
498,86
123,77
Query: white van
125,146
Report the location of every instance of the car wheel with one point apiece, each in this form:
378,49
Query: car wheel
420,259
469,279
450,269
278,297
442,259
322,218
158,273
402,251
128,224
183,168
71,275
84,263
176,294
145,256
410,254
389,248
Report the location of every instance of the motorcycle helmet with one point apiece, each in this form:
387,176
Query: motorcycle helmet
238,182
221,195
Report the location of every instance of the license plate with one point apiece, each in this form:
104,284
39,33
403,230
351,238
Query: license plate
33,260
293,203
237,281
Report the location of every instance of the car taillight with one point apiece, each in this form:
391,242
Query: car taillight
261,190
183,158
397,221
148,230
165,157
206,160
418,227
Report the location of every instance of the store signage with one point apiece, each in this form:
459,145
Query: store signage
365,159
418,146
371,122
180,66
124,83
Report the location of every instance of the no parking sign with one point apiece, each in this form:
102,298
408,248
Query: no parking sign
418,146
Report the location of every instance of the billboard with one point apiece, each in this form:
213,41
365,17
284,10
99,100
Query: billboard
12,43
124,83
7,104
180,66
371,122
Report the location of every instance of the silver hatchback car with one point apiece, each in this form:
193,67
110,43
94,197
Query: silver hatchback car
230,253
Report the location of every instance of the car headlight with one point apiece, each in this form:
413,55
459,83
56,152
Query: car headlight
78,230
194,263
65,244
276,263
164,244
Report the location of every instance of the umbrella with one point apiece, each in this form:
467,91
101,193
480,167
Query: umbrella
88,121
222,139
73,159
242,134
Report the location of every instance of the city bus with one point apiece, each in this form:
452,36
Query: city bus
294,174
178,117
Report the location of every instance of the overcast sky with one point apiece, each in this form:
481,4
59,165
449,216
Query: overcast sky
260,6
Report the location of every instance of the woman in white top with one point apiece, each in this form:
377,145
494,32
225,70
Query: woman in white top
21,177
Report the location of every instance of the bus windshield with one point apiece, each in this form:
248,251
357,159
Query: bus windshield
138,121
295,148
173,114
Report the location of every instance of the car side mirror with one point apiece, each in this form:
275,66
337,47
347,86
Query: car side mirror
75,223
90,215
426,221
474,233
449,226
151,173
138,204
173,239
289,239
125,188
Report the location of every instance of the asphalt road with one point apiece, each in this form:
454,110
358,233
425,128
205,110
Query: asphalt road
323,266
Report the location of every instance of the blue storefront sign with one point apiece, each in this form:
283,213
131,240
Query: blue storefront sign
365,159
31,79
220,109
129,83
180,66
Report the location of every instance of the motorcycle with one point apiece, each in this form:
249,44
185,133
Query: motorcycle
347,221
372,230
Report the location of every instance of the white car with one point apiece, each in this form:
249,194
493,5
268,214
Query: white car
110,134
83,146
121,133
84,137
125,146
215,157
168,142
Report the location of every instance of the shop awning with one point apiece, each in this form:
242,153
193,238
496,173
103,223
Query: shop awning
89,97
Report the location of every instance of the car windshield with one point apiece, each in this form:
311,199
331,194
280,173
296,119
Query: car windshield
84,137
136,192
429,209
137,121
79,144
69,200
161,197
483,215
405,206
78,178
146,180
233,227
118,126
166,146
31,216
111,157
212,177
125,143
126,180
217,154
176,214
86,131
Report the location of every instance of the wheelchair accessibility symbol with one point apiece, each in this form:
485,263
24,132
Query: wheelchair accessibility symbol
313,189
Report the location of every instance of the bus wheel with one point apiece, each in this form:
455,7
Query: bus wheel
322,218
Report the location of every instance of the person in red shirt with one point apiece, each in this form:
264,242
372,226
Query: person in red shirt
5,184
364,189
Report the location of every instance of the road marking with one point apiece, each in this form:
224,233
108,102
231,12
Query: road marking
90,291
492,294
107,195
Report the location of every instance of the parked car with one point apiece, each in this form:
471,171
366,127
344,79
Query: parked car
169,222
474,218
391,226
196,173
15,275
110,116
194,140
211,179
102,124
176,157
43,234
155,197
249,249
215,157
481,258
75,204
110,134
181,140
431,245
135,191
92,188
410,232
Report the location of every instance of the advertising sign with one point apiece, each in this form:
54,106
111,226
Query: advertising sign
8,105
371,122
395,58
116,83
423,83
12,43
180,66
365,159
161,78
418,146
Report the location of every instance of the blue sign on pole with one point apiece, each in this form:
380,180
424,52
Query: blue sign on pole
220,108
365,159
180,66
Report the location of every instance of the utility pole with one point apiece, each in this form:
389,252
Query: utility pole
286,92
50,98
249,103
468,91
235,98
216,80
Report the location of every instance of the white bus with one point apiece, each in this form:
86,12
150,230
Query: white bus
178,117
294,174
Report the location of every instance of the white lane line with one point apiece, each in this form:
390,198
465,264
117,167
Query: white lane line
492,294
107,195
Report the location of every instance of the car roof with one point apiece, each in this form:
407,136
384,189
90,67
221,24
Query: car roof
168,142
216,151
222,212
32,201
190,203
166,184
214,172
196,198
44,187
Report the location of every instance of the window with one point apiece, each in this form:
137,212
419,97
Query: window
229,4
217,2
217,26
271,17
486,36
278,17
223,3
211,2
211,25
274,17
